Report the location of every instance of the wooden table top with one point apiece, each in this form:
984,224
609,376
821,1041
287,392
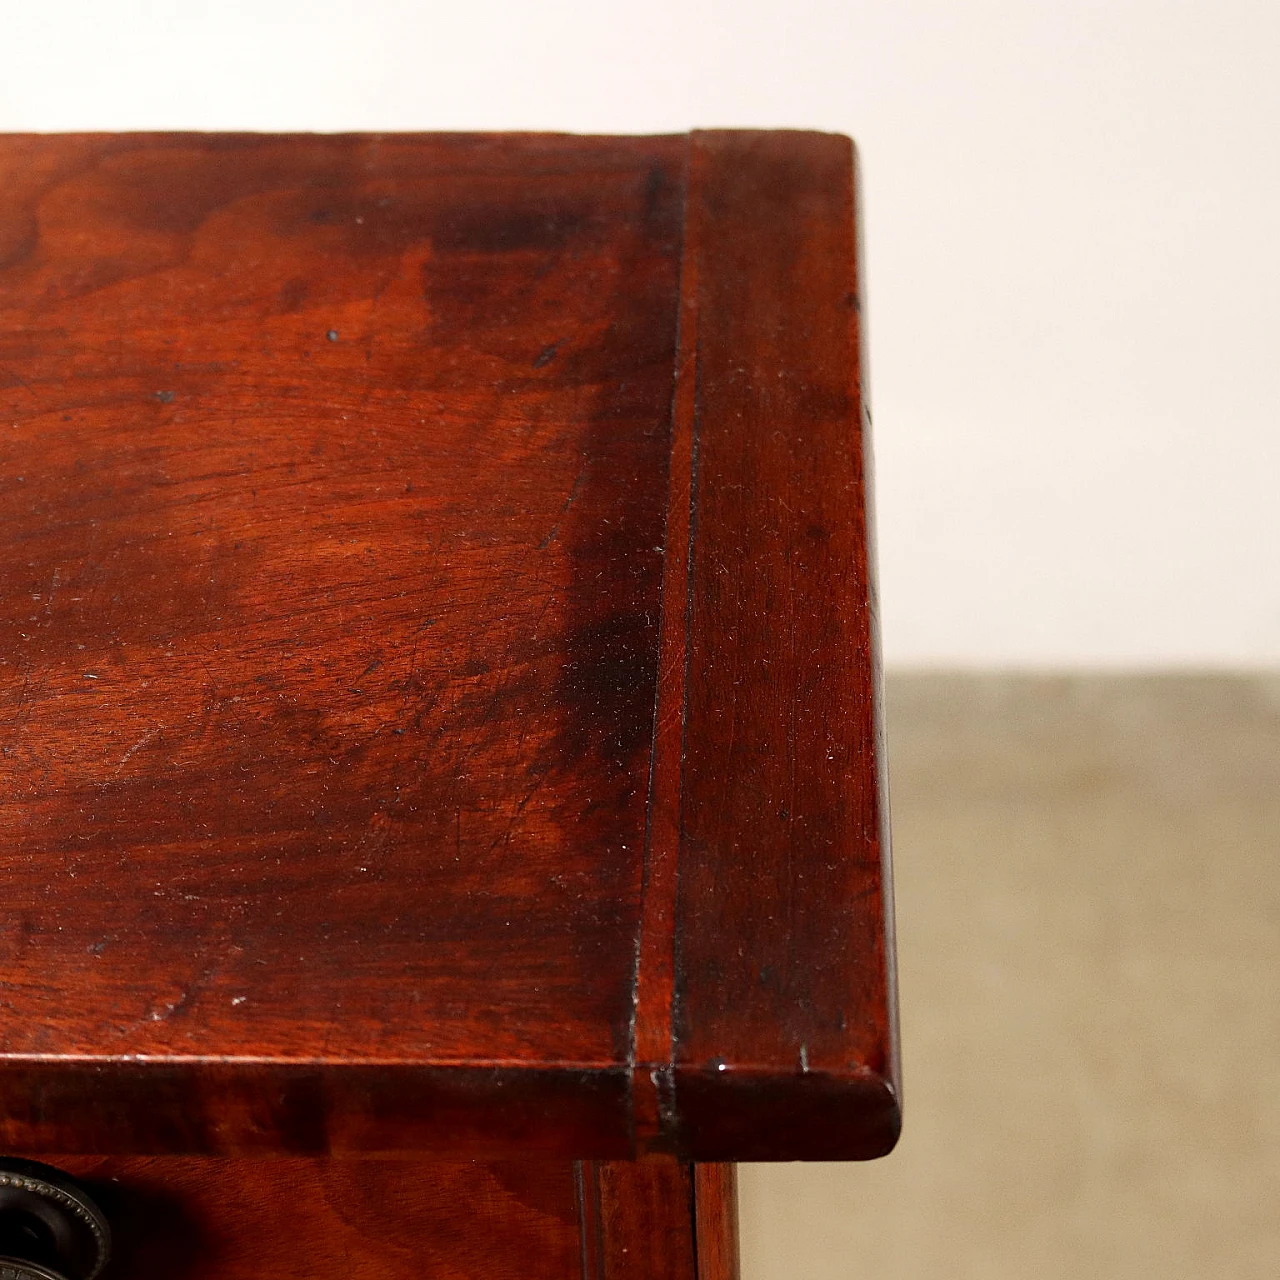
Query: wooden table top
438,691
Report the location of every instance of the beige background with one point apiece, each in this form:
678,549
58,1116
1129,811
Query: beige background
1074,266
1089,933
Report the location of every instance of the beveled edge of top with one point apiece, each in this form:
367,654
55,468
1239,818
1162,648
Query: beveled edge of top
785,1045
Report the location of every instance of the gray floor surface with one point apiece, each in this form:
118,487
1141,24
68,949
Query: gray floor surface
1088,883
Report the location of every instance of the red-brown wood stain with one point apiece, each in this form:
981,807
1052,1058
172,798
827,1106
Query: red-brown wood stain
436,667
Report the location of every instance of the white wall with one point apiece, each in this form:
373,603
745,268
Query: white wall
1073,235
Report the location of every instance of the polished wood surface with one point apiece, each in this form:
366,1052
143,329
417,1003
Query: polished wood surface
638,1220
436,670
176,1218
196,1218
716,1221
782,1005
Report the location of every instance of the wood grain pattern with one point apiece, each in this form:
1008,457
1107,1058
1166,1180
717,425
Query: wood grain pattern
783,1008
196,1218
437,683
192,1218
335,479
715,1194
639,1220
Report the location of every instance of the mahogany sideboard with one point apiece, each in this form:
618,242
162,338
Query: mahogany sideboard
442,812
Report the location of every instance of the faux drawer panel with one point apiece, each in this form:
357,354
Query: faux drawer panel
178,1218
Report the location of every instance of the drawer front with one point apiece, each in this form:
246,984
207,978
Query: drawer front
298,1219
200,1218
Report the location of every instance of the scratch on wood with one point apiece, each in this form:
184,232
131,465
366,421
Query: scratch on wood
569,501
137,746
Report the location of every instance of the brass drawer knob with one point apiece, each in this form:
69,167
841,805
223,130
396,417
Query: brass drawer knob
50,1228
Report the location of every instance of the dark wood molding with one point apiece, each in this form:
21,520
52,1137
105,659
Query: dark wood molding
782,1004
